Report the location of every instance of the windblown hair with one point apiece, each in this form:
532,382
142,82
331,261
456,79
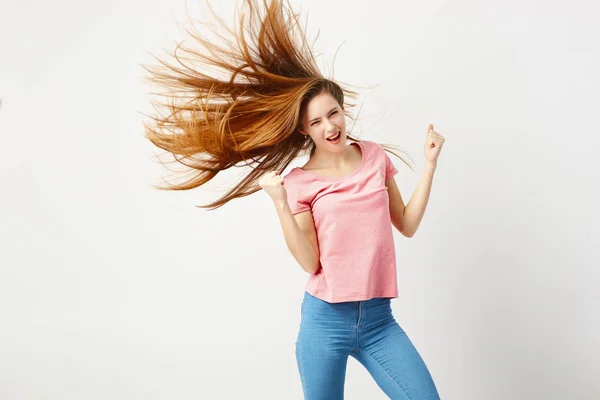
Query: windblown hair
250,116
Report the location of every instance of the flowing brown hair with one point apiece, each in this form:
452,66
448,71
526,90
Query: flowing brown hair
250,116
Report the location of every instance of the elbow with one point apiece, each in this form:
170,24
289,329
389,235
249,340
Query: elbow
407,233
316,264
312,272
313,267
406,229
310,264
402,227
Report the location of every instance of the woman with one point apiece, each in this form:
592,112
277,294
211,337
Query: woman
336,212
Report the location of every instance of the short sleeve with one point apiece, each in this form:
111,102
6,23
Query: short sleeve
296,196
390,169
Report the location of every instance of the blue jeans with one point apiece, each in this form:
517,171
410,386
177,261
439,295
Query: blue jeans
367,331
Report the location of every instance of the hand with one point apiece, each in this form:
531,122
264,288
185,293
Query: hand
272,183
433,145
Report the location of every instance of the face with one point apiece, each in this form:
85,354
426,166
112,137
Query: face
324,118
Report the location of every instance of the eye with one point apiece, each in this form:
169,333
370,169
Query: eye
316,122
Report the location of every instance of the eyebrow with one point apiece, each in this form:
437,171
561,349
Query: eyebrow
314,119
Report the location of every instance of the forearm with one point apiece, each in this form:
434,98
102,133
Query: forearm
415,209
296,240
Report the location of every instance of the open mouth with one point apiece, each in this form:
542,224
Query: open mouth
334,138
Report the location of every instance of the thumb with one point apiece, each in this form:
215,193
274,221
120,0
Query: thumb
429,128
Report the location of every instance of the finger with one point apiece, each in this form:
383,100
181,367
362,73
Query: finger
429,128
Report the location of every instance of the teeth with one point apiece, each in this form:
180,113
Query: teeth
334,136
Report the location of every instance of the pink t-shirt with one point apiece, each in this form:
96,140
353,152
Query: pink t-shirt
353,225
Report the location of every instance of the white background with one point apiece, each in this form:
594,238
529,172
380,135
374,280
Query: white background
110,289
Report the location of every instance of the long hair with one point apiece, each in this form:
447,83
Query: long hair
248,117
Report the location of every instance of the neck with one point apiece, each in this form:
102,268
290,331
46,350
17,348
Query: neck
332,160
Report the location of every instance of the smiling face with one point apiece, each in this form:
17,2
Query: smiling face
324,118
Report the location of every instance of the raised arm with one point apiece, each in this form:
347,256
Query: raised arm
298,230
406,219
300,236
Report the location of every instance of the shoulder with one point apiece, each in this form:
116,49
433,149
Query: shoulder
293,175
299,190
372,150
370,145
295,178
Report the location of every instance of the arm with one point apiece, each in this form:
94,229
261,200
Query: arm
406,219
300,236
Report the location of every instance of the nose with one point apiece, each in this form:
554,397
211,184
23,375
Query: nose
330,127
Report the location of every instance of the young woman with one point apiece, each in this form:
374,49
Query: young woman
336,212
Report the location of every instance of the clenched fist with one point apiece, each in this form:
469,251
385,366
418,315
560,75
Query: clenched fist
433,145
272,183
